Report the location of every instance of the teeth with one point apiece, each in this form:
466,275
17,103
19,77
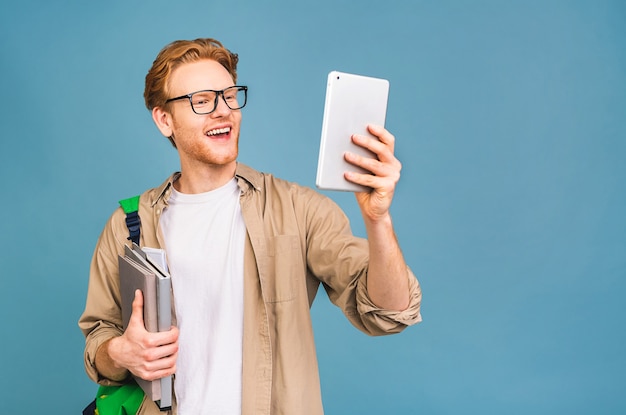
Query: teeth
218,131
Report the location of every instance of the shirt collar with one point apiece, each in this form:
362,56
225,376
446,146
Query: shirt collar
246,176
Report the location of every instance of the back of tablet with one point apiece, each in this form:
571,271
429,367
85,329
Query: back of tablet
352,102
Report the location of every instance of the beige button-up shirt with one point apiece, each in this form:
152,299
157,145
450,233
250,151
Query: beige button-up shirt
296,239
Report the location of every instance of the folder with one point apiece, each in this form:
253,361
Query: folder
138,270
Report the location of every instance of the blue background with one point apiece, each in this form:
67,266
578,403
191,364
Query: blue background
510,123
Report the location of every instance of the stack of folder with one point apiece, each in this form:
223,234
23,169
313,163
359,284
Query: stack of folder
146,270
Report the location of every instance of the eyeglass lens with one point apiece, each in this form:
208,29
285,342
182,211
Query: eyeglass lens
204,102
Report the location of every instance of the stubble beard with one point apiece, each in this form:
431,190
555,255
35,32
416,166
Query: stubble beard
207,153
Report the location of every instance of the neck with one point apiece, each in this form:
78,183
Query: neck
204,180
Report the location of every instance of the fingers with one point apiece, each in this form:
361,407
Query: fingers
389,169
382,144
384,169
136,316
155,363
384,137
137,329
147,355
162,339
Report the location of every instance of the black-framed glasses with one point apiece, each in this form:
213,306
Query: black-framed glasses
205,102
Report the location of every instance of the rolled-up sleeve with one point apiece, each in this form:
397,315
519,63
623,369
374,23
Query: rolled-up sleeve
380,321
340,261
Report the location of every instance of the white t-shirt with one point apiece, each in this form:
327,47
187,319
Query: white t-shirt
204,240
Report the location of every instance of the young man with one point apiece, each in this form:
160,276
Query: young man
247,253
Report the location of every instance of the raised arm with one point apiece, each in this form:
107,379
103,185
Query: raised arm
387,277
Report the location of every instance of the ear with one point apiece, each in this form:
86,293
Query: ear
163,121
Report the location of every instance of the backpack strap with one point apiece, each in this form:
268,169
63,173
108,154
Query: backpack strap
131,208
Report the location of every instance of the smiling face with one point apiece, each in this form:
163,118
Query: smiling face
207,141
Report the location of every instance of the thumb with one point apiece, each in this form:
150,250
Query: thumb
136,316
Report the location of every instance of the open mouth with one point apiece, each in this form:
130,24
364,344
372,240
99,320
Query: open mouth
218,132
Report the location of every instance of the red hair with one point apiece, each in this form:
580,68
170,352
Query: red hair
180,52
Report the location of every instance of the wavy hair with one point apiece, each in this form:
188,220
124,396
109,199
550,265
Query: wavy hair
180,52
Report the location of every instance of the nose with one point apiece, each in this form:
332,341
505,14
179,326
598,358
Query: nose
221,109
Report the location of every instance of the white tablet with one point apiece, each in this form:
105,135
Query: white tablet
352,102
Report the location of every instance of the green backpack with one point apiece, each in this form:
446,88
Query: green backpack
119,400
